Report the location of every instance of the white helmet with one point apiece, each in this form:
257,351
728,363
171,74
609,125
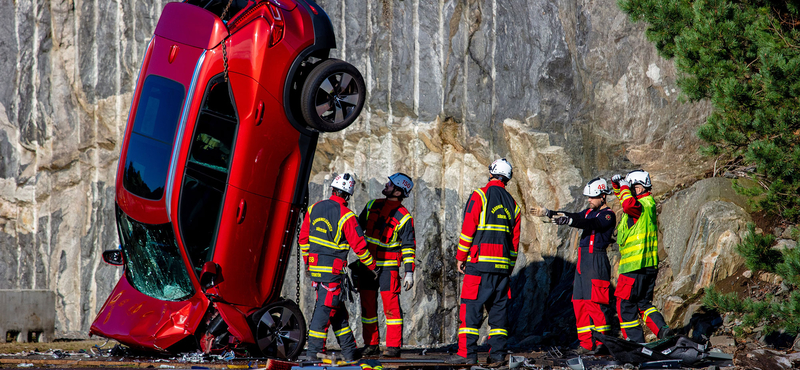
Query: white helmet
596,187
403,182
639,177
501,167
344,182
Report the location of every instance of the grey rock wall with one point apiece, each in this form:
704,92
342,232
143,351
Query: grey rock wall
565,89
700,227
67,73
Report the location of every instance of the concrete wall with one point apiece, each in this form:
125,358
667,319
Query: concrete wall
27,315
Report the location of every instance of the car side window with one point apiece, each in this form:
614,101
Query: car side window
150,144
208,162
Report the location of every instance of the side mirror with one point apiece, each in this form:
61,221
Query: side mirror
113,257
211,275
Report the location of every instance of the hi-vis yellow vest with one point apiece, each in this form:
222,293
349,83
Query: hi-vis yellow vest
639,244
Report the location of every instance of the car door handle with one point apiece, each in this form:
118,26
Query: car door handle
259,113
240,212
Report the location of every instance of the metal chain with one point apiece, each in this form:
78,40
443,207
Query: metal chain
225,59
297,236
224,50
225,11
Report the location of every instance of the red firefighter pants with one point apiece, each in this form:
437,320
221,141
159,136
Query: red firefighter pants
591,296
635,296
389,284
330,311
477,291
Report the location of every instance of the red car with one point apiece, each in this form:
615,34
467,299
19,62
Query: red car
213,174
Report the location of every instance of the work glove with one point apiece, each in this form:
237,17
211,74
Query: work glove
624,183
616,179
540,211
408,281
563,220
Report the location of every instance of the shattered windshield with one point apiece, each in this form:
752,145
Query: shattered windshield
153,263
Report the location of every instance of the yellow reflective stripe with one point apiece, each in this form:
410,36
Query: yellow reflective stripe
394,321
362,255
327,244
369,320
649,311
387,263
602,328
641,238
367,261
309,210
463,248
400,226
639,257
503,228
379,243
327,269
513,254
408,251
517,210
483,208
408,260
584,329
343,331
369,206
493,259
465,238
629,324
317,334
344,219
498,332
472,331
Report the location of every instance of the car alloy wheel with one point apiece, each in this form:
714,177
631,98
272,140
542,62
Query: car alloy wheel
333,96
281,330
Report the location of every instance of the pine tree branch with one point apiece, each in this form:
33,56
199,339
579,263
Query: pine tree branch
779,32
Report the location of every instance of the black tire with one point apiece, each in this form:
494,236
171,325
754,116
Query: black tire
333,96
280,330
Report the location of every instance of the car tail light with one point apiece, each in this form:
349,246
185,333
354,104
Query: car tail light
276,31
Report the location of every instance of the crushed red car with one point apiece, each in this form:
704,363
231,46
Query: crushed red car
213,174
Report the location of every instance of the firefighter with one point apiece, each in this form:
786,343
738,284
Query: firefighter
389,231
590,288
329,230
637,236
487,252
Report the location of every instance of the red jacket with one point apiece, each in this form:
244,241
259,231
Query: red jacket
630,203
472,220
324,248
389,230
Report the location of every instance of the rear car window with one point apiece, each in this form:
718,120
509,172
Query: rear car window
150,143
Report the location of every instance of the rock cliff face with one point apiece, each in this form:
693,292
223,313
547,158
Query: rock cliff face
565,89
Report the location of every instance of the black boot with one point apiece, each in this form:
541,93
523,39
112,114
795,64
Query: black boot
391,352
370,350
456,359
496,360
665,332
